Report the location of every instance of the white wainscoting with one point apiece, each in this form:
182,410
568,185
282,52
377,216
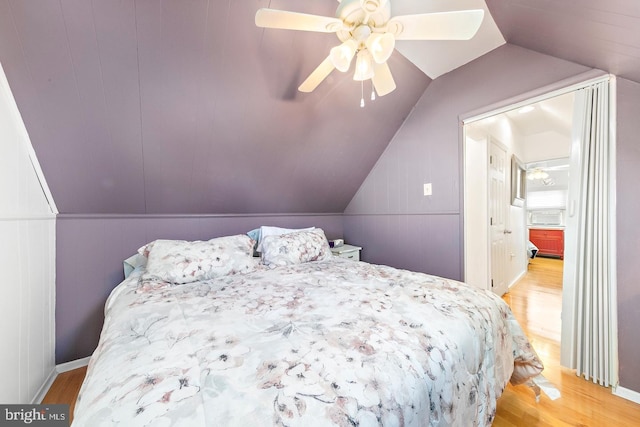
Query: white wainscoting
27,263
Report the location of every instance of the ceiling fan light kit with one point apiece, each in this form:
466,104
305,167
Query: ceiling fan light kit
381,46
364,66
342,55
368,32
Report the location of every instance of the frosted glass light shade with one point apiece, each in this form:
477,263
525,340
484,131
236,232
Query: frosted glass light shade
342,55
537,174
381,46
364,66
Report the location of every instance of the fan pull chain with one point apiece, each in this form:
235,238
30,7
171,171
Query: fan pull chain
373,91
362,94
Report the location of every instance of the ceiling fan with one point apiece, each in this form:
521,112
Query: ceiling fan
368,33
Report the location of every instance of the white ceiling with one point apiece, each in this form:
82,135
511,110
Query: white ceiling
558,179
550,115
436,58
535,129
553,114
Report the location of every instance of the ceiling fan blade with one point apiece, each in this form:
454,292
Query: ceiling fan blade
317,76
383,80
456,25
273,18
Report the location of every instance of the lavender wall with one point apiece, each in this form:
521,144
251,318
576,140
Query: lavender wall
165,107
399,226
91,248
628,232
389,215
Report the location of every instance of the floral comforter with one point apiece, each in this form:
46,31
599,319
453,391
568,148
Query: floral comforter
332,343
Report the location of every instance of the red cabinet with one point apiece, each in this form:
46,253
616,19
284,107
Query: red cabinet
550,242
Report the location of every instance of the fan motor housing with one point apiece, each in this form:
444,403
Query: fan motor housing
374,13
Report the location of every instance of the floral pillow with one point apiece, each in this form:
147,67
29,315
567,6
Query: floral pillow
180,261
295,248
267,230
144,251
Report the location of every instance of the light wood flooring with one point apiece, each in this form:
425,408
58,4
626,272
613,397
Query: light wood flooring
65,389
536,303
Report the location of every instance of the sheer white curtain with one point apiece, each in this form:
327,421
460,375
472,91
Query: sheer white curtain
589,297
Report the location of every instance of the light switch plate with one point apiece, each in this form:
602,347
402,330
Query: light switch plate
427,189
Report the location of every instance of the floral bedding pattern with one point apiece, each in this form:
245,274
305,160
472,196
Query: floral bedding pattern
328,343
180,261
295,248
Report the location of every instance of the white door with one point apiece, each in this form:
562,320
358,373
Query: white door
498,206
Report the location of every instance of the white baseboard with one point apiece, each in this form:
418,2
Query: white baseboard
63,367
517,279
45,387
74,364
625,393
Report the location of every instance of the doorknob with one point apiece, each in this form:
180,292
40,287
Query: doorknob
507,231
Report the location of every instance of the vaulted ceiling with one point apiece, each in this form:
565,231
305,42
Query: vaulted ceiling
603,34
174,106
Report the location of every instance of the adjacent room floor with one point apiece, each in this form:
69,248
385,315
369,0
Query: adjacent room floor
536,301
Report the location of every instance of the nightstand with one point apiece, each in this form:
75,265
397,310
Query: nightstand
347,251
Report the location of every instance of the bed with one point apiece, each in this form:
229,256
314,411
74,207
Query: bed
208,335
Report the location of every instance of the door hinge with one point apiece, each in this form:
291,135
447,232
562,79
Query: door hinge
491,221
492,283
490,160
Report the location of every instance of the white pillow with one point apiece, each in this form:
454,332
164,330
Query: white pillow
296,248
180,261
134,261
266,230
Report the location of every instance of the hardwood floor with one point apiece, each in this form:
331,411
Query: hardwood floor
65,389
536,303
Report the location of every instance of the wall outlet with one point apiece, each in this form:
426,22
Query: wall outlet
427,189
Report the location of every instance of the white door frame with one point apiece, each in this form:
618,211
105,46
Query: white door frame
476,193
477,164
507,105
501,286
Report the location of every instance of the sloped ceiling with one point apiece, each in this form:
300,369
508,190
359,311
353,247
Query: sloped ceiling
549,115
436,58
160,107
597,33
185,106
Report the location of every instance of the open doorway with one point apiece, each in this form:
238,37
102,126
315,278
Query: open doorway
537,137
586,285
546,210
